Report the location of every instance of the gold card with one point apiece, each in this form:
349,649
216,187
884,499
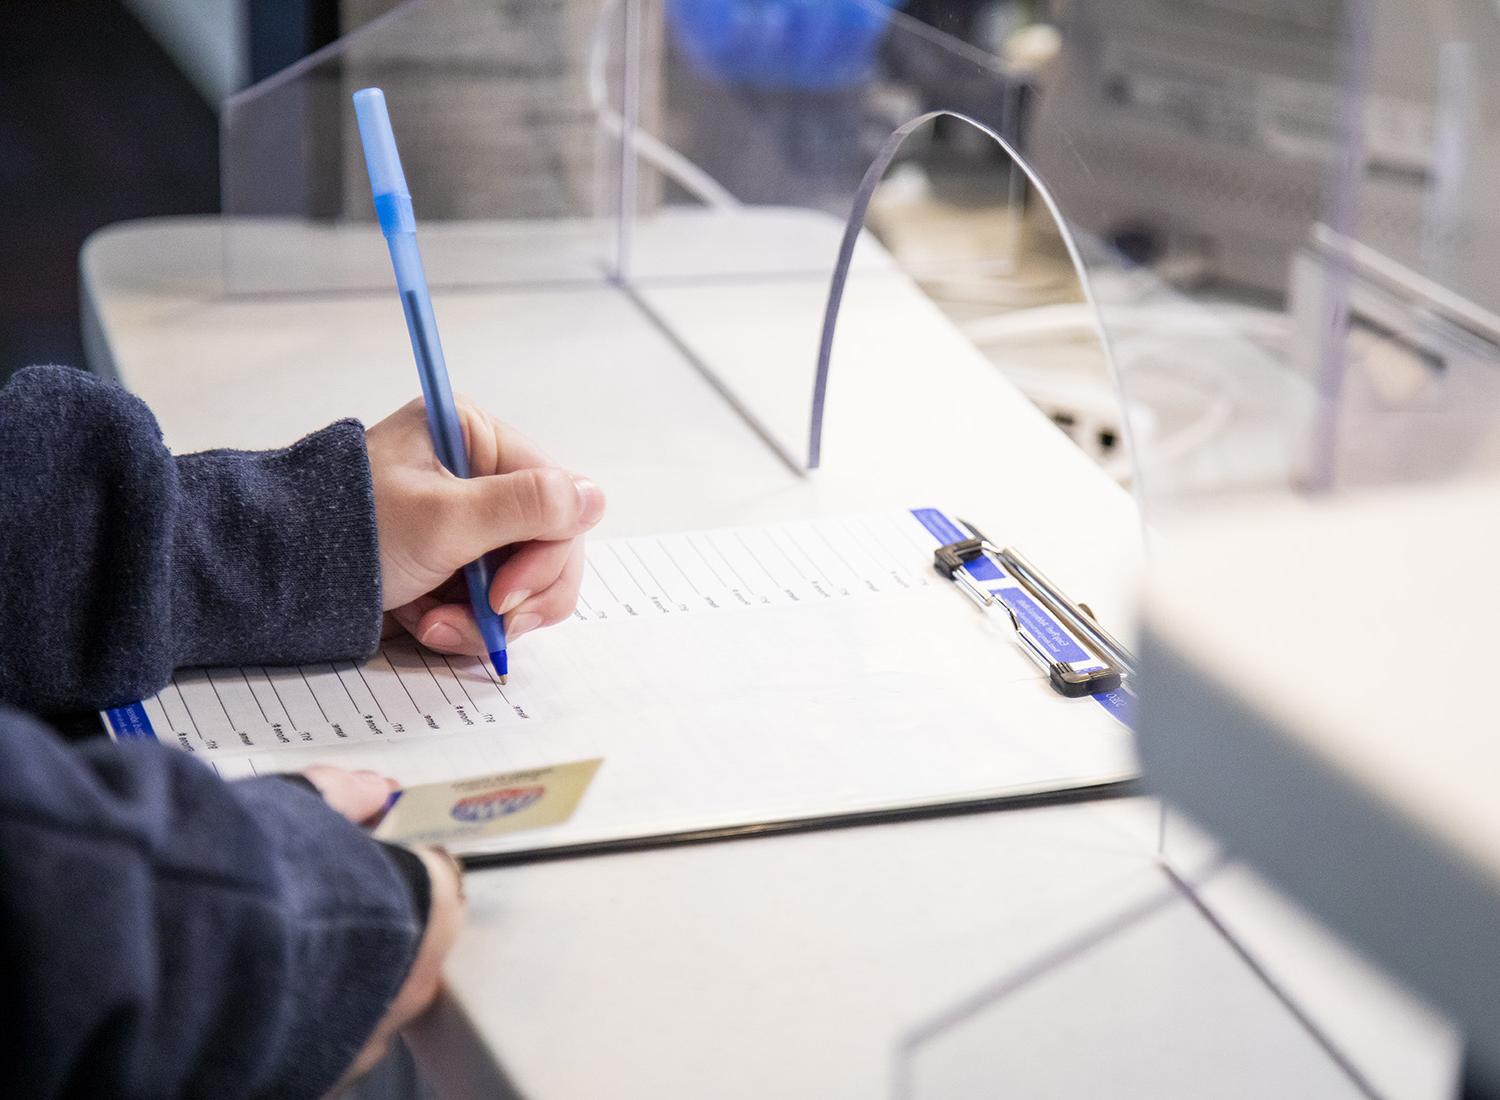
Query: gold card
486,805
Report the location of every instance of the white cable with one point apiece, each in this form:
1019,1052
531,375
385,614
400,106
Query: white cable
1148,332
1074,318
1221,398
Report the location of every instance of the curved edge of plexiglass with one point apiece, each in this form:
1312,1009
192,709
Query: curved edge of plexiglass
856,226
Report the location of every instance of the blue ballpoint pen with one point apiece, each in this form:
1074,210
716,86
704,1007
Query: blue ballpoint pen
399,225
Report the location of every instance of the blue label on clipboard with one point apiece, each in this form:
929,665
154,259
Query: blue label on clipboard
946,531
938,525
130,723
1058,643
983,569
1119,703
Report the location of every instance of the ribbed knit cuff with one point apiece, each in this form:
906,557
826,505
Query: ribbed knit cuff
276,556
407,863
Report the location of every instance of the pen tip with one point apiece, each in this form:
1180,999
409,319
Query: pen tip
504,679
502,666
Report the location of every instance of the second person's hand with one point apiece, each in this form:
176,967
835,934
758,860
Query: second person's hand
431,524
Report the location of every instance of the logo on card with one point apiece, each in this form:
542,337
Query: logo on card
493,804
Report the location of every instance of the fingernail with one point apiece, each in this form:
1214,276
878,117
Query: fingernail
590,501
513,601
526,620
441,636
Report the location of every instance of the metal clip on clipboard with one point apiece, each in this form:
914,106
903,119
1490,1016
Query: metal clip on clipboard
1114,661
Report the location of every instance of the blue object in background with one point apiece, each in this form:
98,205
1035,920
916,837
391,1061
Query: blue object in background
814,45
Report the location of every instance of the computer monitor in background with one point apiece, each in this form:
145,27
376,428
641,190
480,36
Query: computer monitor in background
1211,129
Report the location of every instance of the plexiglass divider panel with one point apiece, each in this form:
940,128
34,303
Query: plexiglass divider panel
1397,280
705,158
785,106
513,178
690,152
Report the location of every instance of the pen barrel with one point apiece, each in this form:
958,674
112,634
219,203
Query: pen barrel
477,575
398,224
427,348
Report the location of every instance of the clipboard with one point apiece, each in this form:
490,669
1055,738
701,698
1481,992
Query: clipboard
843,685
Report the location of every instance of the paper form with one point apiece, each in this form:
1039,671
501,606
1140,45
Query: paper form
723,675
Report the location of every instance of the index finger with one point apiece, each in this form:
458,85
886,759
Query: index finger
495,447
359,796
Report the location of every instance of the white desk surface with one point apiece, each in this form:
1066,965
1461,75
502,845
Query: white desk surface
788,967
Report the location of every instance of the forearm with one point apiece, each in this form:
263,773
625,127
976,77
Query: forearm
123,562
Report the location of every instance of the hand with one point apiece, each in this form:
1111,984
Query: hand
360,796
432,524
425,976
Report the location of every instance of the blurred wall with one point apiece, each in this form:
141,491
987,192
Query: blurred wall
208,39
97,125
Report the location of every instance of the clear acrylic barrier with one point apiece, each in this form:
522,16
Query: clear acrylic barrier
1247,251
687,151
501,146
1304,189
1394,292
791,108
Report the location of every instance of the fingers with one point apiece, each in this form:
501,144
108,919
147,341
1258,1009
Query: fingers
445,627
449,627
359,796
494,447
431,523
539,504
447,908
554,603
531,568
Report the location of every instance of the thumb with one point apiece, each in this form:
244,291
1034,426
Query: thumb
541,503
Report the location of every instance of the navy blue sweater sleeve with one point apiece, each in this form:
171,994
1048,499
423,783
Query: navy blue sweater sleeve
165,934
123,562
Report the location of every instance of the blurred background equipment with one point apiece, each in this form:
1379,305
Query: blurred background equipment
1212,129
1209,127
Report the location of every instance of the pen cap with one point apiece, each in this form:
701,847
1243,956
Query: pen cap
387,180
